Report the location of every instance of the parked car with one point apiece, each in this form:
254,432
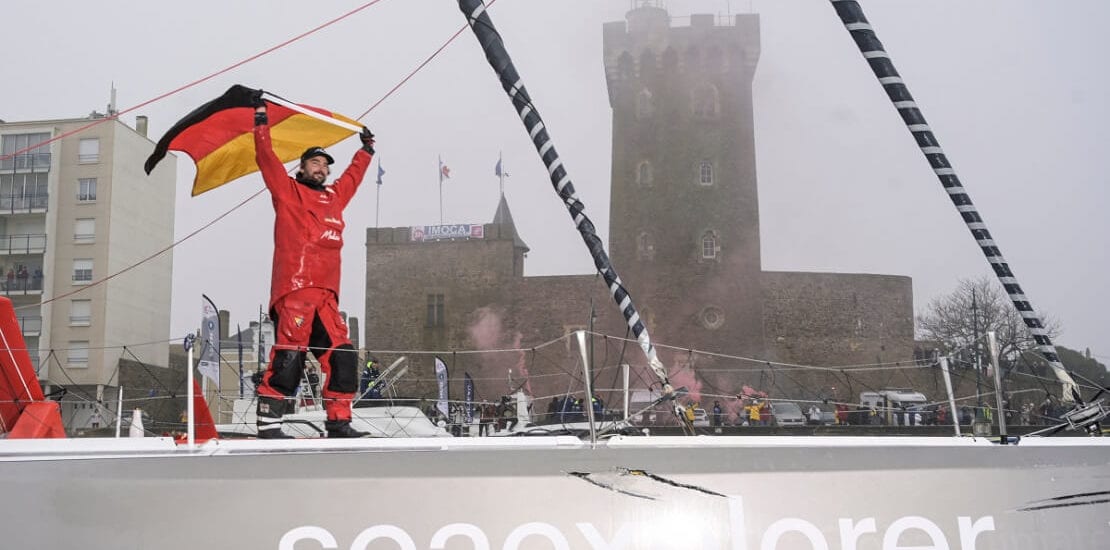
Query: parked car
787,413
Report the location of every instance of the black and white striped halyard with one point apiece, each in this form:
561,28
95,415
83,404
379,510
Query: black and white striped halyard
480,22
854,20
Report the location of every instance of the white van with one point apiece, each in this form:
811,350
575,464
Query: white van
898,406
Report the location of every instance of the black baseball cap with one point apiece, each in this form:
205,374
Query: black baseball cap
316,152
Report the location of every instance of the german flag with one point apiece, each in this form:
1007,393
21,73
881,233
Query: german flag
218,136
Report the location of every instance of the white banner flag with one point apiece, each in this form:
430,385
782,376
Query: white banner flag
441,379
209,365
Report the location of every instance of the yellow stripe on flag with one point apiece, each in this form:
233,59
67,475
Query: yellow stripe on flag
290,138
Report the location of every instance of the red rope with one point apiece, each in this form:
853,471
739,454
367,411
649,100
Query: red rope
418,67
194,83
252,197
152,256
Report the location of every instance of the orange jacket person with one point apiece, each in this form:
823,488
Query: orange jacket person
304,288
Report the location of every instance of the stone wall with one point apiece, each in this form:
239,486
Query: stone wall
839,319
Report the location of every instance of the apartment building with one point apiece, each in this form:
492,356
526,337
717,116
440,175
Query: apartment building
74,213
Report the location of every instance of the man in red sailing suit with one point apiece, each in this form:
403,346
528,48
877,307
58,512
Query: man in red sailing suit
304,289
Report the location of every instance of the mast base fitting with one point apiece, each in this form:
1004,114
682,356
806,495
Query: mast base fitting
1087,417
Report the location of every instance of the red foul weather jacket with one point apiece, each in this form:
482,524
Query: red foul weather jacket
308,224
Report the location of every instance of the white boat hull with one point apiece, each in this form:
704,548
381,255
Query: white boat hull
734,493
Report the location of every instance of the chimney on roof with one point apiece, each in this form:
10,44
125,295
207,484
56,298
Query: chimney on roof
225,324
140,125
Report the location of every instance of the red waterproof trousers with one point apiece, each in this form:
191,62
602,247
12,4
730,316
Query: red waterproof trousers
308,320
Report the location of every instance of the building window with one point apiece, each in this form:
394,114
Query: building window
692,58
645,105
670,60
645,246
88,151
706,101
710,247
644,173
435,311
23,191
80,313
86,189
625,65
705,173
84,230
82,271
713,60
34,159
77,356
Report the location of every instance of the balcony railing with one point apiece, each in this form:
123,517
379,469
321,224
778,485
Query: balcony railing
27,280
29,161
23,244
31,326
22,202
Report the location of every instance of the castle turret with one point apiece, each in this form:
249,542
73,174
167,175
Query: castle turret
684,213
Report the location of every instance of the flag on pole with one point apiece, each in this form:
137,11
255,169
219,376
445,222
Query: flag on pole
444,171
499,171
218,135
441,380
381,172
209,364
468,397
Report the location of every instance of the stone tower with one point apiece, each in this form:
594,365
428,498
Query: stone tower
684,214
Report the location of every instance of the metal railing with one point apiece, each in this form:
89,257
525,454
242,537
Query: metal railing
30,161
24,202
23,244
25,279
30,325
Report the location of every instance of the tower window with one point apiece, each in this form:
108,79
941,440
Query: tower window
435,316
692,58
670,60
645,246
706,101
705,173
713,60
645,104
625,65
647,64
710,247
644,175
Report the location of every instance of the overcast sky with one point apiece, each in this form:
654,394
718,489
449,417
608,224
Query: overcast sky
1015,92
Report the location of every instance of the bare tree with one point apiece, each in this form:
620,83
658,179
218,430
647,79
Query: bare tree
951,321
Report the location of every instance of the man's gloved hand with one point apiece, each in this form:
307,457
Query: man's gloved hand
260,118
367,138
